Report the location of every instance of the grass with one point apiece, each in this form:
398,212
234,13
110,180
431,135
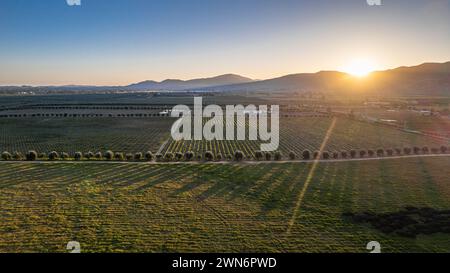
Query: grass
208,207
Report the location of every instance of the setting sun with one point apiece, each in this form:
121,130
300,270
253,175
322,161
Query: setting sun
359,68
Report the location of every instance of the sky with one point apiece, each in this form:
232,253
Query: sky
118,42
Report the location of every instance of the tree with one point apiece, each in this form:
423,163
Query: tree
138,156
78,156
258,155
209,156
6,156
189,155
278,156
109,155
306,155
292,155
98,155
149,156
31,155
238,155
53,155
362,153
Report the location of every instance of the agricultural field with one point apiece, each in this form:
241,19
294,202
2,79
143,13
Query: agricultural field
245,207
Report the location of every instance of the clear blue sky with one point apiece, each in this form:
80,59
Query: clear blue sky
124,41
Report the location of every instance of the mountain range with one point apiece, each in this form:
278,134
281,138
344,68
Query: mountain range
430,79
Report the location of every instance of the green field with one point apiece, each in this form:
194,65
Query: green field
215,207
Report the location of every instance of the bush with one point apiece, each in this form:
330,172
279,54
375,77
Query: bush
344,154
189,155
306,155
407,150
258,155
268,156
326,155
65,155
352,153
425,150
138,156
78,156
443,149
209,156
109,155
118,156
149,156
380,152
278,155
292,155
32,155
98,155
129,156
53,155
362,153
178,156
6,156
370,153
238,155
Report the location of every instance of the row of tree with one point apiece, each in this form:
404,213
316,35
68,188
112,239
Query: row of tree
209,155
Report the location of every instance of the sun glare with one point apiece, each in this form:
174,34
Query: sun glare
359,68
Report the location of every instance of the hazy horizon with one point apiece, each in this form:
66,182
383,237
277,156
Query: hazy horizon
122,42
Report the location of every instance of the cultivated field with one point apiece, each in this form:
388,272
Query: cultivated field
216,207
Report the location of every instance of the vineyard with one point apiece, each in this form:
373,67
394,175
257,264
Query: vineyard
212,208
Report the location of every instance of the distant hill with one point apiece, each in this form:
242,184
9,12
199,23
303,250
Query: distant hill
428,79
177,85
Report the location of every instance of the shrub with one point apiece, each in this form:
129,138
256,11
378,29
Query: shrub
407,150
99,155
65,155
352,153
178,156
129,156
258,155
189,155
292,155
78,156
278,155
326,155
168,156
238,155
390,152
425,150
443,149
209,156
109,155
362,153
268,156
138,156
118,156
344,154
53,155
306,155
149,156
380,152
32,155
370,153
